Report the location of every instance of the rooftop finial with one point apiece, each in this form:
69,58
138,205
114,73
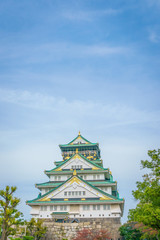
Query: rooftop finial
74,173
76,150
79,133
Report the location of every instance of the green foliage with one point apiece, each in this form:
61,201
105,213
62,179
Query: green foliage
10,217
28,238
129,232
36,229
15,238
24,238
148,194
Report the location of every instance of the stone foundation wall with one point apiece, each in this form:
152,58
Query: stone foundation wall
59,231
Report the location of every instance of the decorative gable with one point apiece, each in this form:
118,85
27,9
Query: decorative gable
77,162
75,188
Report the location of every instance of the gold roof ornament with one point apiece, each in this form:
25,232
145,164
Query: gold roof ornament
76,150
74,172
79,134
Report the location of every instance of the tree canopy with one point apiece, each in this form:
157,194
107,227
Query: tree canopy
35,228
10,217
147,193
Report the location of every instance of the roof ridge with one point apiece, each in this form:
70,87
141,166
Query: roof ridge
79,135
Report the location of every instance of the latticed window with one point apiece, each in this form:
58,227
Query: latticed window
76,166
63,208
96,207
106,207
86,207
43,208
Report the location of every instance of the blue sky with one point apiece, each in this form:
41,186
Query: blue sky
88,65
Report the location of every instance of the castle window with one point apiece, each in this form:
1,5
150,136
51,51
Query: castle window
96,207
55,208
106,207
75,193
76,166
63,208
43,208
86,207
51,208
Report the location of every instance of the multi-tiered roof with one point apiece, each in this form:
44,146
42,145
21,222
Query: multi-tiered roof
78,184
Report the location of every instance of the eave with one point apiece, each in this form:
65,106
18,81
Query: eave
94,183
78,171
55,202
78,145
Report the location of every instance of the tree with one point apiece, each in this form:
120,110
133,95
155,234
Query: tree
87,234
36,229
10,217
129,232
148,194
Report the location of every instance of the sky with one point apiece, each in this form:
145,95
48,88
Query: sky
68,66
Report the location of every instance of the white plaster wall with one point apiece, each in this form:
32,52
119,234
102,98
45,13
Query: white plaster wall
91,213
57,178
95,176
35,210
115,208
106,189
88,177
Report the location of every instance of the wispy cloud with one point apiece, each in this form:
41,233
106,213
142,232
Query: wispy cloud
89,15
57,51
113,114
154,36
153,2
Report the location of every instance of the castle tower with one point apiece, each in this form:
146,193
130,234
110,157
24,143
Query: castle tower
79,187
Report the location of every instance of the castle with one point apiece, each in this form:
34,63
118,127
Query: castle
79,188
